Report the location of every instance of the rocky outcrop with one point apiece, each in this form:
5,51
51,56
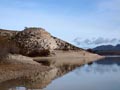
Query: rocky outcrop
34,42
63,45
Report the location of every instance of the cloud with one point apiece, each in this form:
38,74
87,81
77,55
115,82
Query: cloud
65,19
100,40
95,41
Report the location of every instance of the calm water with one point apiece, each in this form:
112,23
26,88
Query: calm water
101,75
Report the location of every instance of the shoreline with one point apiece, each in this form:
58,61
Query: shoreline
69,58
40,71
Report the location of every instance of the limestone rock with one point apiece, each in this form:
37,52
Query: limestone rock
63,45
35,41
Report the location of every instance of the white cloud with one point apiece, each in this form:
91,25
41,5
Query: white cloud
93,42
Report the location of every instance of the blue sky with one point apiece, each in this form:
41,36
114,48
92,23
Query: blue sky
67,19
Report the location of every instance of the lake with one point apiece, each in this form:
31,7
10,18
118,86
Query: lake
100,75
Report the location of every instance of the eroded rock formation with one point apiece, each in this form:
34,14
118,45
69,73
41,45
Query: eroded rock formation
34,42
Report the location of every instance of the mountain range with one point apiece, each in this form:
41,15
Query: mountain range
106,50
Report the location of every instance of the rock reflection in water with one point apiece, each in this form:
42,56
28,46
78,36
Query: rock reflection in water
38,80
101,75
32,77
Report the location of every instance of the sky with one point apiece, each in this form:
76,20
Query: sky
67,19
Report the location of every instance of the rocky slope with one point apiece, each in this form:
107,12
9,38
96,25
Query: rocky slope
63,45
33,42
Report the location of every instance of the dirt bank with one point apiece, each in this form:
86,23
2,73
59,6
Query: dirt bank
69,58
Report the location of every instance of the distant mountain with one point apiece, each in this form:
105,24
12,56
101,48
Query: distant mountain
106,50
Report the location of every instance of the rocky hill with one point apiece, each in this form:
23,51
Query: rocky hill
33,42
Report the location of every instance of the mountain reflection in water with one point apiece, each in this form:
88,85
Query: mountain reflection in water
101,75
106,65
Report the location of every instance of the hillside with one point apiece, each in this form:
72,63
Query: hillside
32,42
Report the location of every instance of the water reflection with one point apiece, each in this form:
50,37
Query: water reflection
98,68
106,65
36,80
102,73
109,61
